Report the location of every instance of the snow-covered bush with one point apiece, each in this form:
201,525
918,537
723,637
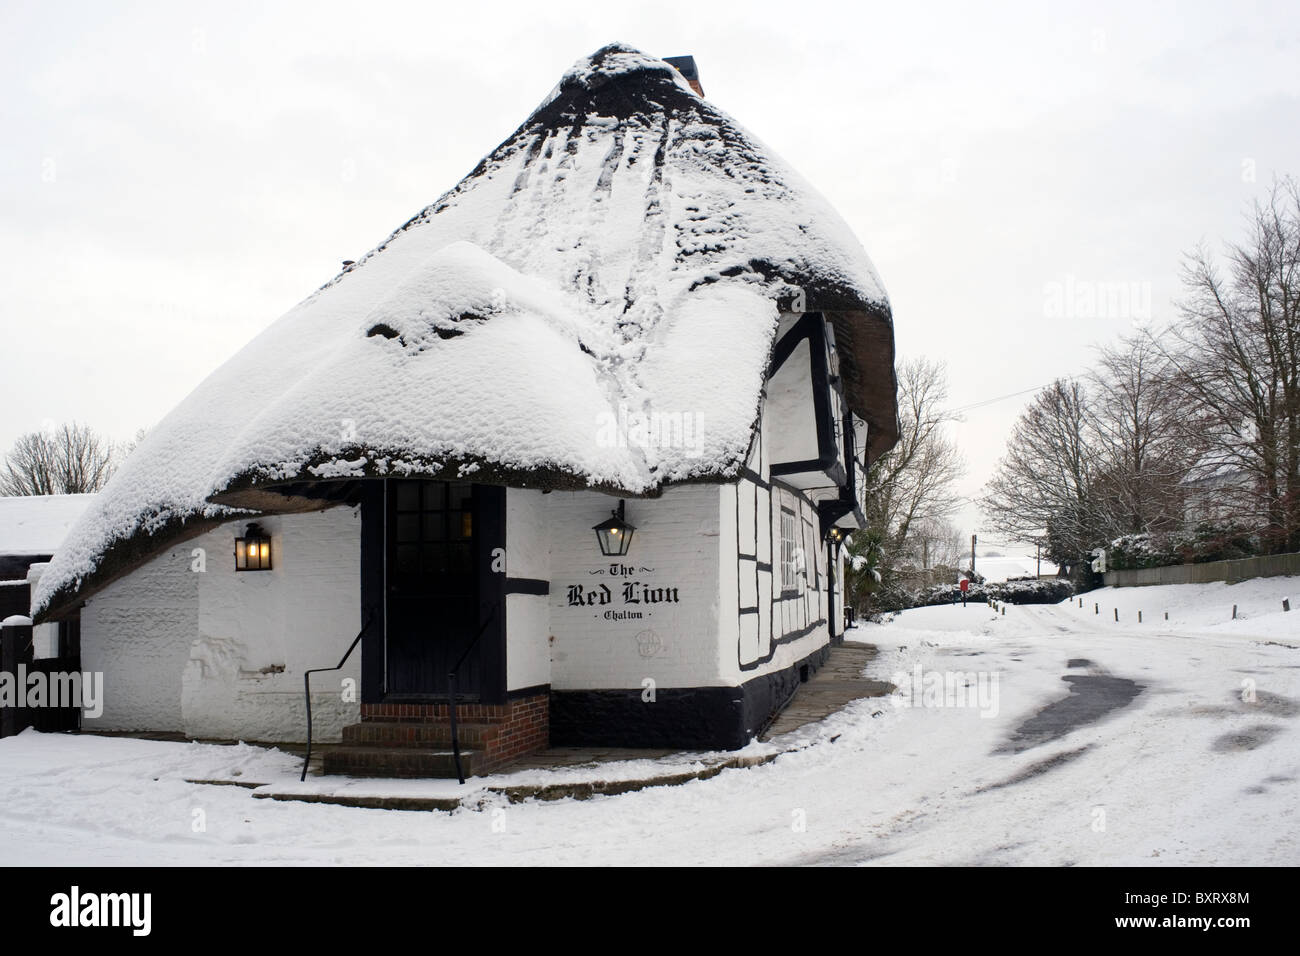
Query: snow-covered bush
1141,551
1224,541
1039,591
1031,592
1208,541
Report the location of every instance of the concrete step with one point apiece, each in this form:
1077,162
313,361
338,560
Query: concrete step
373,733
396,762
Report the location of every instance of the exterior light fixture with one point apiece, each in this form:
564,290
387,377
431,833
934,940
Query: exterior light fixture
253,550
614,534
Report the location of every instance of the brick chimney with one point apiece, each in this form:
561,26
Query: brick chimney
686,66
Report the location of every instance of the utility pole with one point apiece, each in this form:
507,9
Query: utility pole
972,554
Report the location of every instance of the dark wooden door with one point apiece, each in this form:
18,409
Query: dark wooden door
432,588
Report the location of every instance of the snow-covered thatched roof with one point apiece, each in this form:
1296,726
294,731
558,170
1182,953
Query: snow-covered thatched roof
625,252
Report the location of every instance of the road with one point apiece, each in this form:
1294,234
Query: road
1048,735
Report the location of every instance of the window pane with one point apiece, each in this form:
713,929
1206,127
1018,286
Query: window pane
408,495
435,496
789,577
460,496
408,528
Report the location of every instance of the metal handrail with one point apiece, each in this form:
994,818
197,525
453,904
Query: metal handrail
306,681
451,694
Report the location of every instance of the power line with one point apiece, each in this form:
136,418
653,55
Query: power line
991,401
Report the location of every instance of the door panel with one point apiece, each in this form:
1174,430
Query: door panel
432,588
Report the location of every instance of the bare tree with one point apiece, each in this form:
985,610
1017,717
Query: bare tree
937,542
1046,478
911,485
1236,348
1141,437
914,479
72,459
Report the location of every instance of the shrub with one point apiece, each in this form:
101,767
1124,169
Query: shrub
1034,591
1208,541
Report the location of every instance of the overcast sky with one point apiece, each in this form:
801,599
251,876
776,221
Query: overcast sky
175,176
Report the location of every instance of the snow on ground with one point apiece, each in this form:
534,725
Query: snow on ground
1104,744
998,559
1015,566
1201,606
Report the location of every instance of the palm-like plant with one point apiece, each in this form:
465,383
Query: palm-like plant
864,555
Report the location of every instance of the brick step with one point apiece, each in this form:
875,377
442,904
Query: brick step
373,733
396,762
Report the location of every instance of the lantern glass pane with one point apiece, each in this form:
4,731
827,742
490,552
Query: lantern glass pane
614,535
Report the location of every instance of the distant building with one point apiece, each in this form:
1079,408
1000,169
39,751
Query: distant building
1217,489
31,529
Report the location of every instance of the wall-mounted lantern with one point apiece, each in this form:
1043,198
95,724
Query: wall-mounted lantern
253,550
614,534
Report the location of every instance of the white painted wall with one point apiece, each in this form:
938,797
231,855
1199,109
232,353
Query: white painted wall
138,632
217,653
676,644
528,555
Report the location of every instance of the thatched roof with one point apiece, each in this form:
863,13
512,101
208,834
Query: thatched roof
624,253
